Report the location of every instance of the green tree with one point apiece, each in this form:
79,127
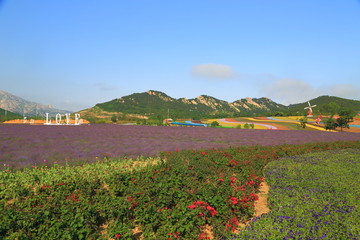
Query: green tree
302,122
214,124
345,117
330,123
114,118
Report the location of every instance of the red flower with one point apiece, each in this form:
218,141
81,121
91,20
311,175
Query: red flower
191,206
200,203
203,236
232,224
250,182
212,210
233,200
45,186
253,196
117,235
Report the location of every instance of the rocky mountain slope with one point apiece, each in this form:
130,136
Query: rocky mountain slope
153,103
21,106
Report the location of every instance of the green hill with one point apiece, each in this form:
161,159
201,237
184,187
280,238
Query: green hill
7,115
155,103
158,105
325,105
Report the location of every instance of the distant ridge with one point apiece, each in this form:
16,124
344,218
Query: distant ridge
21,106
155,103
159,105
321,103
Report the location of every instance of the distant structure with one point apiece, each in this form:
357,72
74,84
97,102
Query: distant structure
78,120
310,111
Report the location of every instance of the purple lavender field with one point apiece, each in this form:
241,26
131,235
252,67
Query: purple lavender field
26,145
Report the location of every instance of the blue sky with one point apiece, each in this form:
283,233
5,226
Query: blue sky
74,54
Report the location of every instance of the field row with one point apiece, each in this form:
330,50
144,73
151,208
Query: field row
25,145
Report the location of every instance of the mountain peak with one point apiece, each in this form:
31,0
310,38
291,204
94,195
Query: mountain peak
161,95
153,92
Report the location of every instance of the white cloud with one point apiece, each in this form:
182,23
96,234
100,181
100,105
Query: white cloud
290,91
348,91
213,71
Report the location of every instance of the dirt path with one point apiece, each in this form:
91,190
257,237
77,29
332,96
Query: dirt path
261,205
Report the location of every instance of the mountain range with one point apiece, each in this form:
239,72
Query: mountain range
156,104
21,106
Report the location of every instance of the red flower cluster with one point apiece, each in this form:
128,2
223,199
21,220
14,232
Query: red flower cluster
242,188
254,180
73,197
227,155
204,206
245,199
232,224
233,200
174,235
232,181
233,163
203,236
161,209
133,202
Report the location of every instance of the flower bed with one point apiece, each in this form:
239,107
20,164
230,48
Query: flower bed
25,145
184,194
312,196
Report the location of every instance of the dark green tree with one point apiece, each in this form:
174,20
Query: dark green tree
330,123
345,117
214,124
114,118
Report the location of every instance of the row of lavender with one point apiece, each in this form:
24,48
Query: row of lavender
24,145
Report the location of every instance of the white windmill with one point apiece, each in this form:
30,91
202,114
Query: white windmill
310,111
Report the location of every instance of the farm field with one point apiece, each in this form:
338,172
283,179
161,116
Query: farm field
280,123
188,194
31,145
